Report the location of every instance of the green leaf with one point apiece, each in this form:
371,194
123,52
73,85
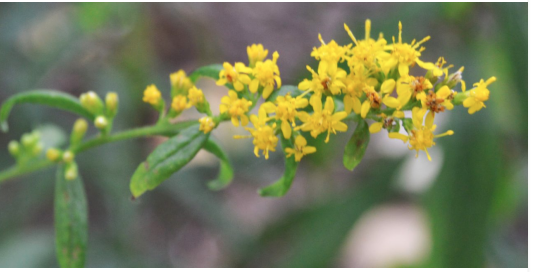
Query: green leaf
281,187
70,220
51,98
211,71
166,159
355,148
226,174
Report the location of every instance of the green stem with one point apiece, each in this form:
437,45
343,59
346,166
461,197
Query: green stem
16,170
164,129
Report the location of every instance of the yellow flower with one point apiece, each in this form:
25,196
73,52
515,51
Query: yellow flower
237,76
438,69
330,52
256,53
355,82
478,95
375,100
438,102
383,122
286,111
263,134
180,83
179,103
206,124
266,74
366,51
422,135
404,55
301,149
152,95
328,80
236,108
322,119
196,97
410,86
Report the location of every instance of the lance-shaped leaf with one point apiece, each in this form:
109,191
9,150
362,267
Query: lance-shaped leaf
166,159
280,187
70,220
44,97
226,173
211,71
355,148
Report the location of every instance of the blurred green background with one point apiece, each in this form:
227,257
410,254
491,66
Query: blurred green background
466,208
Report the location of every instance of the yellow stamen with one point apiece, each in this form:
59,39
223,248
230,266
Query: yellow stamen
448,133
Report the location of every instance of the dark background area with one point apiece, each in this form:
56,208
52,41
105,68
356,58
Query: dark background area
466,208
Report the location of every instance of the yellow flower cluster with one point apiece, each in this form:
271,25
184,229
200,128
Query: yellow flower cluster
368,80
378,86
184,95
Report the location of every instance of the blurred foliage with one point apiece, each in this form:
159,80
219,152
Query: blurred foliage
476,207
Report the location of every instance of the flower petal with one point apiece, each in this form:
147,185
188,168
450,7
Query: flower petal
376,127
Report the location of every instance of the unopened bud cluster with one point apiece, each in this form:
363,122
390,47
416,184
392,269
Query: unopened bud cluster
28,148
104,113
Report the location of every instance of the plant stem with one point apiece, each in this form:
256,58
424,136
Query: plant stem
17,170
162,129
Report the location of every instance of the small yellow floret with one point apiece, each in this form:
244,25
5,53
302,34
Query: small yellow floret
206,124
286,111
256,53
478,95
301,149
236,108
152,95
237,75
263,134
179,103
322,119
266,74
180,81
196,96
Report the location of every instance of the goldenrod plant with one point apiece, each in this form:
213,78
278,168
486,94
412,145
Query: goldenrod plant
369,82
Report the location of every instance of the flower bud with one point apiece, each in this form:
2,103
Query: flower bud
78,131
37,149
180,83
101,122
112,104
92,102
431,77
14,148
71,171
455,78
28,140
206,124
53,154
68,156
